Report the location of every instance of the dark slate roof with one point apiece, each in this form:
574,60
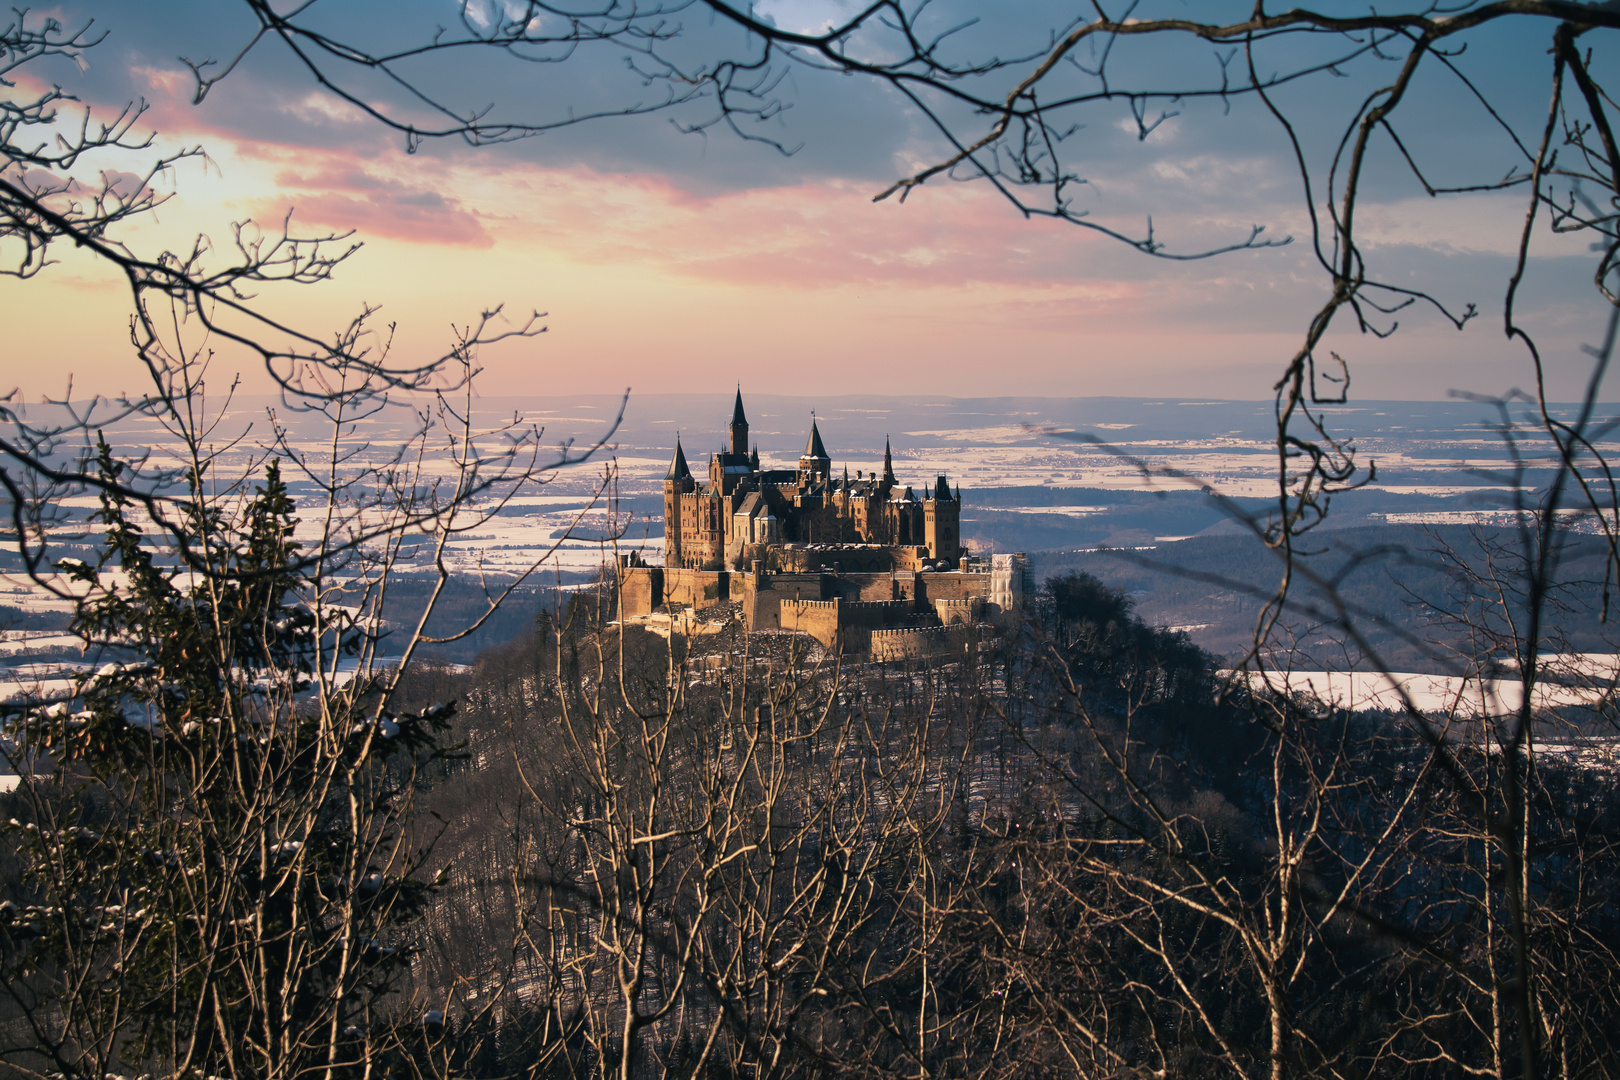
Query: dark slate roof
813,448
677,468
737,416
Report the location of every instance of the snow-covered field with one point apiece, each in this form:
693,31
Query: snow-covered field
1568,681
1429,448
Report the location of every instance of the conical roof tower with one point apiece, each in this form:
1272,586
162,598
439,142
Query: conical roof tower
739,426
815,461
813,447
678,469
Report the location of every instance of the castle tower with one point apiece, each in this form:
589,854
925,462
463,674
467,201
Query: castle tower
739,426
888,464
677,482
942,523
814,463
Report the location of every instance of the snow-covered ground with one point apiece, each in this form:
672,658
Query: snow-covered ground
1585,679
26,642
1434,448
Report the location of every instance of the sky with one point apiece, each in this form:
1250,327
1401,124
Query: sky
667,261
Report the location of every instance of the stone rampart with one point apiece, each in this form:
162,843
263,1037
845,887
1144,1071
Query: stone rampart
864,586
874,614
762,595
953,585
841,558
641,589
965,611
918,643
696,588
818,618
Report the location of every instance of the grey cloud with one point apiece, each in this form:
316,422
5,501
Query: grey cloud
848,127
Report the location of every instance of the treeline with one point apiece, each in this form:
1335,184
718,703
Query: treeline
1064,854
599,852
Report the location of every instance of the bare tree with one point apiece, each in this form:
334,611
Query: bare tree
216,851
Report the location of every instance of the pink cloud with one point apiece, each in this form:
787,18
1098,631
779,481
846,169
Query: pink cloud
419,217
332,190
819,234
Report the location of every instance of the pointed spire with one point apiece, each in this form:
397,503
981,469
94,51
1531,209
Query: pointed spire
753,459
739,426
678,469
813,448
888,461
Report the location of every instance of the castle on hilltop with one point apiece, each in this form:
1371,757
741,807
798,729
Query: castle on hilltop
862,564
746,513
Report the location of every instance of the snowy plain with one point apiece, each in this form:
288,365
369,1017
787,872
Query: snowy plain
587,512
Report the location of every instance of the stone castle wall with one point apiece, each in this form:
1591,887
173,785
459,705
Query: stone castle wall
872,614
641,589
818,618
952,586
918,643
864,587
762,595
966,611
847,559
696,588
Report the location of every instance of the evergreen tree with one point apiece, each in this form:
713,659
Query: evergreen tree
218,877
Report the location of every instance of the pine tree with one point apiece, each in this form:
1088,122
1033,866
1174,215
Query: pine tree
218,876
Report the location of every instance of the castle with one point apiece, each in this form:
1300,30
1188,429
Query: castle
860,564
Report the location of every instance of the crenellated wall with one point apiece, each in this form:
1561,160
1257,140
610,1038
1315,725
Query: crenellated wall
876,613
696,588
966,611
911,643
761,595
818,618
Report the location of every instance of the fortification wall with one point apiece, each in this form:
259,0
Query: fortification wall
641,588
966,611
953,585
696,588
913,643
927,642
873,614
762,595
842,558
863,586
818,618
